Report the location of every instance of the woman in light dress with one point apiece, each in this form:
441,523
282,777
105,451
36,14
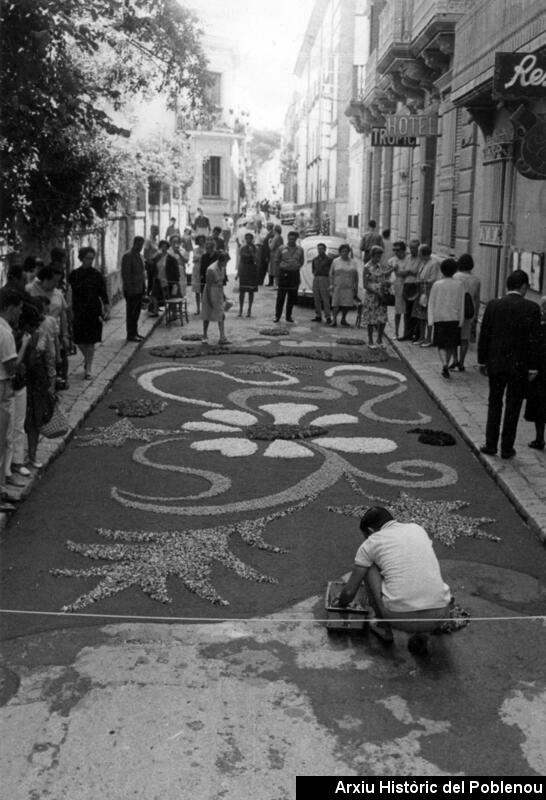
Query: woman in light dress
343,285
471,285
376,282
213,298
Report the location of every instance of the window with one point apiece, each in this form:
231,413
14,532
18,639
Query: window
211,177
214,91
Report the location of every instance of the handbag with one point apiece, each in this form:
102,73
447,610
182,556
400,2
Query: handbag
227,305
410,292
386,298
57,424
423,300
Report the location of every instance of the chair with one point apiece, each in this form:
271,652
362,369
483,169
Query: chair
176,308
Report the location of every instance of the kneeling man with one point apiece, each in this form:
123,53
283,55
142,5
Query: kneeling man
402,577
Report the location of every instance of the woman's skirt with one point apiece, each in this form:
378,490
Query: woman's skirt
447,335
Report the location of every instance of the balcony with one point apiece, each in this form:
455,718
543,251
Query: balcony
395,34
434,15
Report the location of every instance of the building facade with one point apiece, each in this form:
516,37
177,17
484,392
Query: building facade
451,105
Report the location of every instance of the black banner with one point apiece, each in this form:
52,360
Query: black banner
334,788
519,75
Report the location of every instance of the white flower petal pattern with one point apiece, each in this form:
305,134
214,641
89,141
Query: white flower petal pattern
282,448
356,444
335,419
231,417
211,427
288,413
230,447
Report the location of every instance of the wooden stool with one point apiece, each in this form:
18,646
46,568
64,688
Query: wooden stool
176,308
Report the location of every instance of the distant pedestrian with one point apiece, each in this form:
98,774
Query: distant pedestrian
471,285
446,313
398,264
320,267
175,269
148,253
198,253
343,285
172,229
90,306
265,253
160,288
291,259
275,244
201,224
217,238
535,410
508,353
186,240
227,229
371,238
247,273
387,245
133,280
376,282
325,224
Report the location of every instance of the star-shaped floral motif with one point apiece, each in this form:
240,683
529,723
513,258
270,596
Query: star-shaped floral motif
119,432
435,516
146,559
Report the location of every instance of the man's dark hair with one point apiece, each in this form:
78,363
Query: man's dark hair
217,230
465,262
138,240
448,267
426,250
8,298
14,273
374,518
83,251
386,234
516,280
45,273
29,264
57,254
399,244
372,224
321,244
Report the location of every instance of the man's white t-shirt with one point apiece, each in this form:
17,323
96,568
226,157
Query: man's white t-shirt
7,347
411,574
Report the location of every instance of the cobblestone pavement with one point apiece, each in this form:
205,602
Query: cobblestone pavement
464,397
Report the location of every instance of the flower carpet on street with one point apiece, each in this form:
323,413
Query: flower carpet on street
243,495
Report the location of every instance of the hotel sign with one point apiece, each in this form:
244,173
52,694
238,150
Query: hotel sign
412,125
519,75
380,138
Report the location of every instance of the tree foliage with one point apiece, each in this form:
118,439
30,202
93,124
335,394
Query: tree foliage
68,68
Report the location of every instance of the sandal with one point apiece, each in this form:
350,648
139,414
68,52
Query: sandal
224,341
383,631
536,445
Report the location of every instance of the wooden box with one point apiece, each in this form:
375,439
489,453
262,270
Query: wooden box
352,618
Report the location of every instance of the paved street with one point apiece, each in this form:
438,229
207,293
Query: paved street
97,702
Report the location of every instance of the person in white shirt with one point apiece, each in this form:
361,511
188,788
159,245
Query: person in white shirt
446,314
402,577
227,229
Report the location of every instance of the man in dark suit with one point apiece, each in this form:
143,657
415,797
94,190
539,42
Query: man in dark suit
133,279
508,355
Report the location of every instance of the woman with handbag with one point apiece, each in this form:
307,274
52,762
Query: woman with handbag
213,298
376,281
446,313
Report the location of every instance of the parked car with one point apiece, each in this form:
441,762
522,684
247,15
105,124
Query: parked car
309,244
288,213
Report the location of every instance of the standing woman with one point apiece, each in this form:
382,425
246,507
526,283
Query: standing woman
446,313
376,281
90,306
213,298
471,285
275,244
343,285
427,273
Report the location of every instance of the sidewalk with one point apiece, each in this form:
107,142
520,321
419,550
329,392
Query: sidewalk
82,396
463,398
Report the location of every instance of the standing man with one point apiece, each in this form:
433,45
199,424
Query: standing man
133,280
321,284
201,224
227,229
508,352
291,258
370,239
